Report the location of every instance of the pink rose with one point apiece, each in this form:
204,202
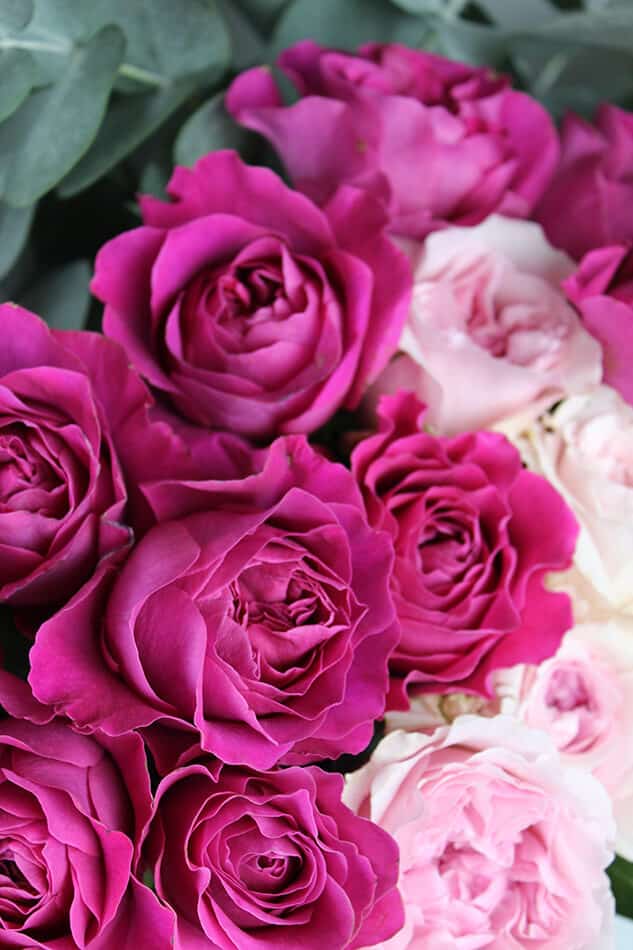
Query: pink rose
602,290
392,120
74,438
264,860
589,202
490,336
501,846
72,809
471,554
249,308
585,449
257,624
583,698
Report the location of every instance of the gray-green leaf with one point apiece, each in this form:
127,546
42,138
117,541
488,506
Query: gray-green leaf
15,15
14,228
17,75
129,121
61,297
208,129
48,134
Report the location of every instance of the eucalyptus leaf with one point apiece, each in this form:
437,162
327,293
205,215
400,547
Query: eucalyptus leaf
519,16
49,133
621,875
247,44
263,13
472,42
15,15
17,76
61,297
130,120
346,25
208,129
14,228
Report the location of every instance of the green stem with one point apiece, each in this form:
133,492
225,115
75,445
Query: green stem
61,47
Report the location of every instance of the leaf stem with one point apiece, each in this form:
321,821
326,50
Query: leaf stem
60,47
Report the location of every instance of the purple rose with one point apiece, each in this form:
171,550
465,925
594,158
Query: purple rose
72,809
256,624
602,290
249,308
74,434
589,203
265,860
474,535
439,141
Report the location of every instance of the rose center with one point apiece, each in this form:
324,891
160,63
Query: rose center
567,690
23,469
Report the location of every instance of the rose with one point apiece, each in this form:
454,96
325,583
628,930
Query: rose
602,289
583,698
391,120
471,554
258,626
585,449
588,203
487,306
486,817
74,438
269,859
249,308
72,808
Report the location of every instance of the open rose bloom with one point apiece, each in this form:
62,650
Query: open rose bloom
486,818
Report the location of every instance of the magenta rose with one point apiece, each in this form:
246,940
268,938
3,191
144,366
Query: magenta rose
602,290
74,436
474,535
249,308
258,626
589,203
72,809
392,120
264,860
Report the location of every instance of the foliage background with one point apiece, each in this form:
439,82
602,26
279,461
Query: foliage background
99,98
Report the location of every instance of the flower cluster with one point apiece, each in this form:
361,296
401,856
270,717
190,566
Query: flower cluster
353,450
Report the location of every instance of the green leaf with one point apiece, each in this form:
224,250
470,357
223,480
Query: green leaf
61,297
129,121
248,47
263,12
17,75
208,129
621,875
172,38
346,25
15,15
480,45
14,228
519,16
48,134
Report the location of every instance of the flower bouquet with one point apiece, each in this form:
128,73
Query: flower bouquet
316,526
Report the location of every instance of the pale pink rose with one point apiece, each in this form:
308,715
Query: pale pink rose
501,846
585,449
490,334
583,698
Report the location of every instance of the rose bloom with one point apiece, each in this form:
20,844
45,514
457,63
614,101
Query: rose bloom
259,861
602,290
257,623
71,417
72,808
588,203
490,337
471,556
585,449
392,120
501,846
246,306
583,698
